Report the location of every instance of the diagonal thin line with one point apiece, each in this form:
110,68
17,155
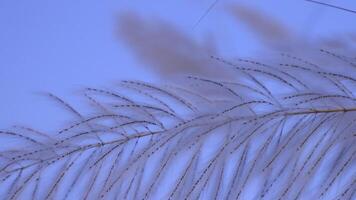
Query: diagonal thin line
206,13
332,6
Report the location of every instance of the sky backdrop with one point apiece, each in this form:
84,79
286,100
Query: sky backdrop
64,46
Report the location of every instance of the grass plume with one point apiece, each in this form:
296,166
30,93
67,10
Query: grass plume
277,129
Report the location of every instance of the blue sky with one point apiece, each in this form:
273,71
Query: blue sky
63,46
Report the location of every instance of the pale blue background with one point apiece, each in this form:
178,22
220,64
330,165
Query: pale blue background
60,46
